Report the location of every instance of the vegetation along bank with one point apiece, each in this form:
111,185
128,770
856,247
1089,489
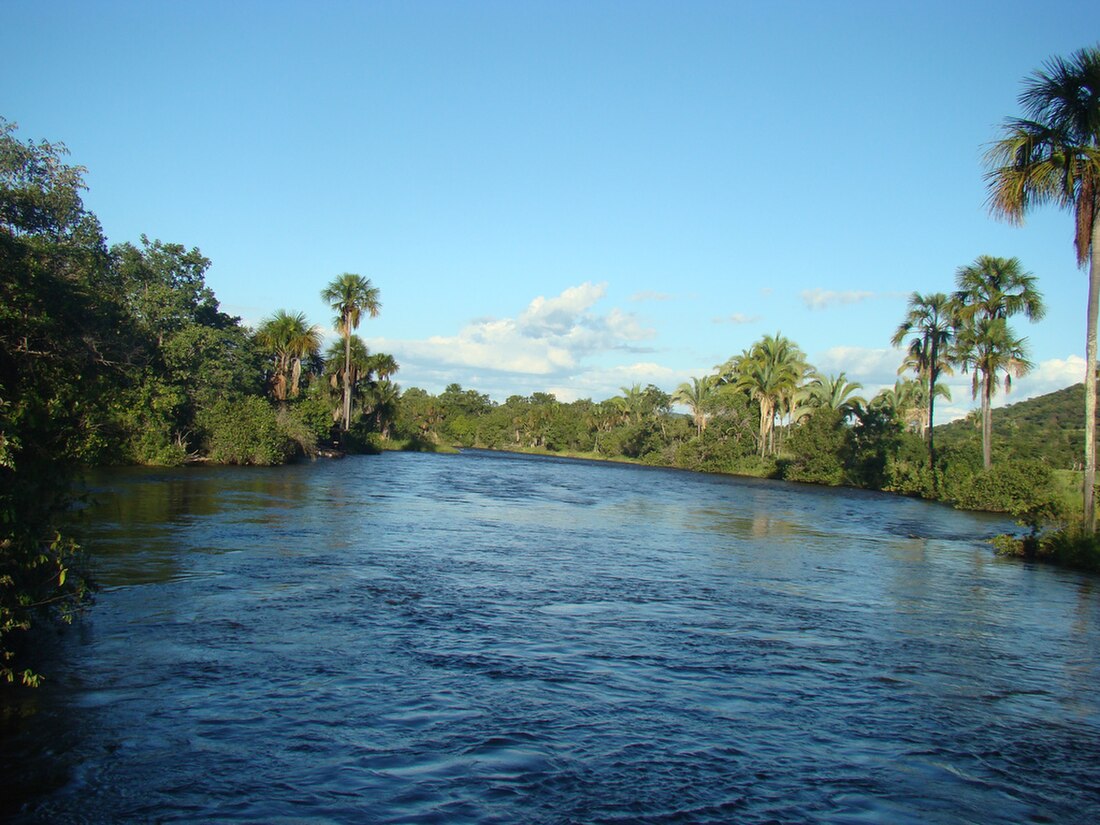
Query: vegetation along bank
121,354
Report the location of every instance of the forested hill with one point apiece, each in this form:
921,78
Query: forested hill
1050,427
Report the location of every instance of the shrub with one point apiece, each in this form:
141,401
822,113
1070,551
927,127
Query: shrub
245,431
1023,489
907,468
817,449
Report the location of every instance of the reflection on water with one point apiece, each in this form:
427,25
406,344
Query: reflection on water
499,638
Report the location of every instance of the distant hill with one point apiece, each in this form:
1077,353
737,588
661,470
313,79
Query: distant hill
1050,427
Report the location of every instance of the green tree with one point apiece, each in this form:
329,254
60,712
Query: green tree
289,339
1053,156
694,396
931,323
988,347
988,292
59,357
350,295
184,355
831,392
164,287
771,372
819,449
993,287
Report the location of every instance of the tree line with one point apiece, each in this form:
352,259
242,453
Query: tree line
122,354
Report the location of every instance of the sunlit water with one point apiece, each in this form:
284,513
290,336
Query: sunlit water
494,638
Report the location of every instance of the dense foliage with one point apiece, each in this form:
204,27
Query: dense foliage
122,355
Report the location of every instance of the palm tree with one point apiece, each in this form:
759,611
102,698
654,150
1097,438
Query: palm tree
385,396
988,292
695,396
383,365
770,371
988,346
834,392
1053,156
350,295
356,367
633,402
997,288
930,320
289,338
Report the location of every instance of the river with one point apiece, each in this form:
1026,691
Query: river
500,638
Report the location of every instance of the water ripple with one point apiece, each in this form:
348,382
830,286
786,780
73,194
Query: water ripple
486,638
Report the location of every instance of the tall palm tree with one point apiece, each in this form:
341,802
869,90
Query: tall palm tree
1053,156
994,287
695,396
633,402
988,347
355,369
989,291
289,338
770,371
930,320
350,295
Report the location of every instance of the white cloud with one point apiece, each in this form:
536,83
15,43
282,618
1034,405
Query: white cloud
738,318
818,298
605,382
650,295
551,337
1048,376
560,315
874,368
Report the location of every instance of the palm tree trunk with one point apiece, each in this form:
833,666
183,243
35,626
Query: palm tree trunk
931,413
295,377
1090,381
987,421
765,416
347,373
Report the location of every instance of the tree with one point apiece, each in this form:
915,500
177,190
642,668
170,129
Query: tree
930,320
695,396
989,291
833,392
289,339
185,354
770,371
59,351
994,287
350,295
988,347
1053,156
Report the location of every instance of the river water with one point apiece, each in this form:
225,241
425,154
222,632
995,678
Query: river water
499,638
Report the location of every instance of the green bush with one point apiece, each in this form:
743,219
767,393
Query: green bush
1072,546
1023,489
245,431
907,468
155,447
817,449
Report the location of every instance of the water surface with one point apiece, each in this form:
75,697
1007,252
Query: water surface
494,638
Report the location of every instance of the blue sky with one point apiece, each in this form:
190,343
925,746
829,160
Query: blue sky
565,196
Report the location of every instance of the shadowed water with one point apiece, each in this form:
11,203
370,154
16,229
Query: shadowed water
495,638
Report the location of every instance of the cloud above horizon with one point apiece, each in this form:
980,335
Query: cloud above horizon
551,337
650,295
818,298
737,318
